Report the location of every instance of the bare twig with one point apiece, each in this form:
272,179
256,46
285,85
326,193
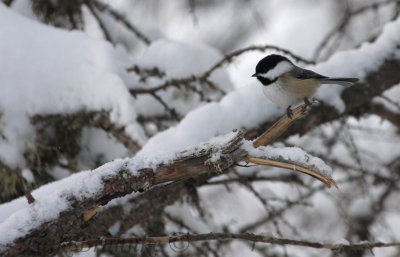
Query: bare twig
94,119
283,178
104,7
100,22
317,175
203,78
8,2
121,182
263,48
147,72
261,238
269,208
348,16
171,111
397,104
29,197
386,114
280,126
164,86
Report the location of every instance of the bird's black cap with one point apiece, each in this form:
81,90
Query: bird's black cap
269,62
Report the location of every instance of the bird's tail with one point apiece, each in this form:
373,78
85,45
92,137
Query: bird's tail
339,81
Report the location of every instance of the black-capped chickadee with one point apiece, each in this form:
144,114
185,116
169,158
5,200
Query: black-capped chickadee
286,85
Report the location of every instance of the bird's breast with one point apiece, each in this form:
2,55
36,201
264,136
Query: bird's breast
300,88
280,95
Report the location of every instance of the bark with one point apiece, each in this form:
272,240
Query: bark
70,225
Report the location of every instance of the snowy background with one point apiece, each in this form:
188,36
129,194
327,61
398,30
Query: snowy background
61,69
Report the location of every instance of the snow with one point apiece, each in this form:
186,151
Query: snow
98,145
171,56
229,209
255,109
72,59
390,99
56,72
18,217
165,156
357,62
224,117
114,229
292,155
28,175
178,60
50,71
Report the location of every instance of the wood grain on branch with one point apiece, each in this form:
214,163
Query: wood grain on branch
213,158
358,100
279,127
44,239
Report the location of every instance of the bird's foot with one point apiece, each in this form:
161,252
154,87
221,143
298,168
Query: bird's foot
307,102
289,112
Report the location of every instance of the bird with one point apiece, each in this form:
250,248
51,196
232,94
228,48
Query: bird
287,85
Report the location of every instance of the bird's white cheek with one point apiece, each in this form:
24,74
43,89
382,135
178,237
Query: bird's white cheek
278,70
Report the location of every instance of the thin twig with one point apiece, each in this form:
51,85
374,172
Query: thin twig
229,57
100,22
118,16
147,72
327,181
204,77
171,111
283,178
345,21
261,238
29,197
397,104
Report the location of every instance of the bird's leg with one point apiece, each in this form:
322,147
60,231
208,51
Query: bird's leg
307,102
289,112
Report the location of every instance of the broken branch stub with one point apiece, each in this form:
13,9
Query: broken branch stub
280,126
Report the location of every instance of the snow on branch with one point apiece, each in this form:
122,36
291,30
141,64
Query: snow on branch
62,207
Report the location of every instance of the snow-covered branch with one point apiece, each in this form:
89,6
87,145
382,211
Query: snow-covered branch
79,204
159,95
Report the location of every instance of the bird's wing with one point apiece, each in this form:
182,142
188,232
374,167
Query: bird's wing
306,74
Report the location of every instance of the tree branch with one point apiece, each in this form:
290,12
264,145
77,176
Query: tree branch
100,22
294,167
280,127
123,180
203,78
104,7
260,238
348,16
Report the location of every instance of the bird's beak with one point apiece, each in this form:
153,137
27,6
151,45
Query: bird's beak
254,75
